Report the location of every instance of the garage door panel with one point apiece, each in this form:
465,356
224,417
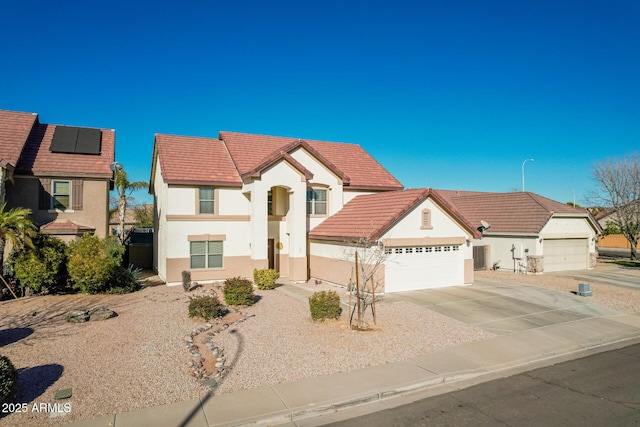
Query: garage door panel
566,254
412,271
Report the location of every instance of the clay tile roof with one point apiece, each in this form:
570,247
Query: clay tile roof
370,216
350,162
36,158
275,158
65,227
194,160
14,132
517,212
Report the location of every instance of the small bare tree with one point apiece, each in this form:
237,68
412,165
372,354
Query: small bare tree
618,188
368,256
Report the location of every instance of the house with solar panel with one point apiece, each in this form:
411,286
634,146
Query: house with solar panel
61,173
227,205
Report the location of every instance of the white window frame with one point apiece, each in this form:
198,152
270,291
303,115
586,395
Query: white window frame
313,203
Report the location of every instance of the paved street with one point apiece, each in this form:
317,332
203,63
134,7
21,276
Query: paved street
599,390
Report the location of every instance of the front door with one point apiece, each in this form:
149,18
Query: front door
271,252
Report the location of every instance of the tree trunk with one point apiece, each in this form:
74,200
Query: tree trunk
3,244
121,211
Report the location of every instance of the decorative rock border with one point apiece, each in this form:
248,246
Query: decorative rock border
198,371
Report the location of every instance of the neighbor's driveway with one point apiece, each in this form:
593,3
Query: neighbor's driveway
502,308
617,276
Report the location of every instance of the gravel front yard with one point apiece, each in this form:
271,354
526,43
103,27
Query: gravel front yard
140,359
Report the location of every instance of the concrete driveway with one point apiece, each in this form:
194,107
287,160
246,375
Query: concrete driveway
502,308
615,275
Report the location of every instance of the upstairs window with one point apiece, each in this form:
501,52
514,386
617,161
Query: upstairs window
206,200
270,202
316,201
61,195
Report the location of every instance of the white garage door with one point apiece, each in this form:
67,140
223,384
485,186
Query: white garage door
411,268
565,254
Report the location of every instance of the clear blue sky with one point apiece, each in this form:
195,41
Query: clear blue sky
445,94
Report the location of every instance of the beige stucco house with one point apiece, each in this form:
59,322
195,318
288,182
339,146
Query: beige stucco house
61,173
227,205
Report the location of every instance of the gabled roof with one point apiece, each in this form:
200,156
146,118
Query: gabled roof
516,212
370,216
350,162
37,158
25,145
193,160
14,132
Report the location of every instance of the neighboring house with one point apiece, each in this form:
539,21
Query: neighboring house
129,221
426,244
228,205
612,241
529,231
61,173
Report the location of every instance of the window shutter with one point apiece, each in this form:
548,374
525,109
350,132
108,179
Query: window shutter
44,202
76,198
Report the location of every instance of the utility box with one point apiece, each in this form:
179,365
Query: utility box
584,289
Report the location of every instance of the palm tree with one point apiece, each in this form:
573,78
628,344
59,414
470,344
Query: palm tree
15,227
124,187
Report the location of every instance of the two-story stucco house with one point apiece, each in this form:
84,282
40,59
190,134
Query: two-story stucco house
228,205
61,173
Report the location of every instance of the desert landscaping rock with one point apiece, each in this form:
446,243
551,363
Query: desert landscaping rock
101,313
77,316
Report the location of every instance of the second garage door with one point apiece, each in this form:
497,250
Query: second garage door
566,254
412,268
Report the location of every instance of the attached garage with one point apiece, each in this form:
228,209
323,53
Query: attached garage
425,243
411,268
565,254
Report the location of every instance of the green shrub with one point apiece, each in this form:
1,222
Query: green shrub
238,291
124,280
115,250
265,278
8,380
43,265
324,305
90,266
207,307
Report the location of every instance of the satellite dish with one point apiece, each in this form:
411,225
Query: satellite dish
115,166
485,224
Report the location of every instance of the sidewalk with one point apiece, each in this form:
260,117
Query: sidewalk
304,402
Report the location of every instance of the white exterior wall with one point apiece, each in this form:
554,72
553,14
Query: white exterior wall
161,201
347,196
501,249
322,177
233,202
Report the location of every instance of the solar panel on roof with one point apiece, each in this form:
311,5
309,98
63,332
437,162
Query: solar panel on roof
88,141
74,140
64,140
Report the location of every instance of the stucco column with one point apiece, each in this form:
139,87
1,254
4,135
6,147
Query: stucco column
259,225
297,219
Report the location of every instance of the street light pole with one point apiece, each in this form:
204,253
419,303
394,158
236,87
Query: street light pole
523,173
